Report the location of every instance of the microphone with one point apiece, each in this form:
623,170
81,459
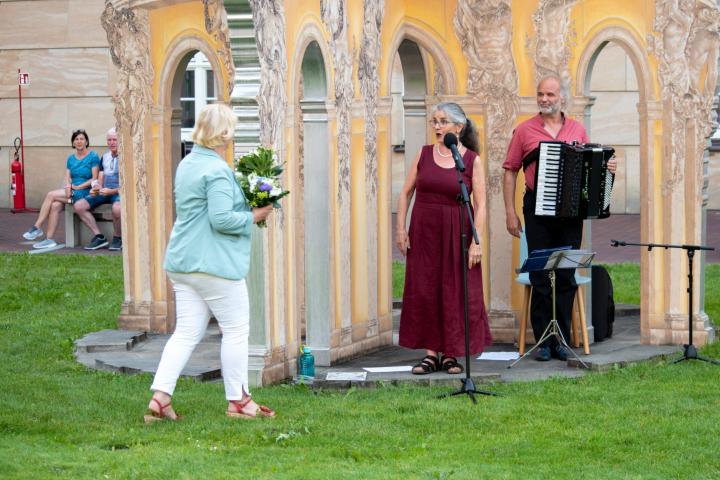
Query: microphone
451,141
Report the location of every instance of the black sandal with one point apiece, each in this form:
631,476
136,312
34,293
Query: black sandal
429,364
449,363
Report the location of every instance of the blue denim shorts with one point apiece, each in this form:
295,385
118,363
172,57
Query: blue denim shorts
79,194
100,199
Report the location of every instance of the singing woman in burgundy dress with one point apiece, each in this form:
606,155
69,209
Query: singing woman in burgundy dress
433,309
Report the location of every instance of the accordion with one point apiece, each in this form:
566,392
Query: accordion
572,181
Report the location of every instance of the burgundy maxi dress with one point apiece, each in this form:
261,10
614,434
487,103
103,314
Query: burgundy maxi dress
432,315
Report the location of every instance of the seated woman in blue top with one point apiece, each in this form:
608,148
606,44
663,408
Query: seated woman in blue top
81,169
207,258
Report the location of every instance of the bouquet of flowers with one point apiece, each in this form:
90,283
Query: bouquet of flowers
258,175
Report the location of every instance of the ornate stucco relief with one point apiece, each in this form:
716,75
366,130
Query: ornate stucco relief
128,34
686,40
269,21
216,25
702,53
369,87
553,38
485,32
334,17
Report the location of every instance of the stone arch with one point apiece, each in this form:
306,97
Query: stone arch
413,109
433,47
408,109
649,110
179,53
634,49
310,87
311,32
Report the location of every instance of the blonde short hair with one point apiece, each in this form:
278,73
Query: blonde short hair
215,126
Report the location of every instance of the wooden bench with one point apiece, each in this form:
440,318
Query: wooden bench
74,226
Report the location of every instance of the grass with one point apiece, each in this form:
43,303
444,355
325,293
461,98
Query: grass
61,420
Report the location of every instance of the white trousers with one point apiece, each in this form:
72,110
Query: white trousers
197,295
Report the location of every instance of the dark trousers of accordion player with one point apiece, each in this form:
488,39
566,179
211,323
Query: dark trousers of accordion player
551,232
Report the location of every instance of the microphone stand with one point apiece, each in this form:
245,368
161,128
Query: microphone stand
689,350
468,386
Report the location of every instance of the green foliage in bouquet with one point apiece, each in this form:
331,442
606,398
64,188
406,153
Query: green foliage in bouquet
261,162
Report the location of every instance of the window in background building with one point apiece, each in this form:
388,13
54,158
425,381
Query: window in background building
198,90
187,100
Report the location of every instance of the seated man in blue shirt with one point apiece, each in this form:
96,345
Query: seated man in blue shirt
105,190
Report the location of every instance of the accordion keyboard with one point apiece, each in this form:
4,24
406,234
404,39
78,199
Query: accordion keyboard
548,179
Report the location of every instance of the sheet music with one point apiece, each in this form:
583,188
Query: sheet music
572,258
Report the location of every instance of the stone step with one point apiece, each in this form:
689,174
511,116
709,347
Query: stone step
109,341
439,379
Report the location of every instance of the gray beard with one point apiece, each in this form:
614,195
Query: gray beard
550,110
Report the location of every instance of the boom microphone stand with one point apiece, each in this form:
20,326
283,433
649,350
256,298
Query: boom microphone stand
468,386
689,350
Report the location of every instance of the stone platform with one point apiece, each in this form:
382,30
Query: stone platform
136,352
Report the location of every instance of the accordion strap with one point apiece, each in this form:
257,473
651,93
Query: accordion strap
530,158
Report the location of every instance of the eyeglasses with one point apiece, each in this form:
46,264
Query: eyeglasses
78,131
439,123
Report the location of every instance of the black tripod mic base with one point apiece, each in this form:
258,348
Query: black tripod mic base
690,353
468,386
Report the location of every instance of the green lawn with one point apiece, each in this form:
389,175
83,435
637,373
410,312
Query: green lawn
60,420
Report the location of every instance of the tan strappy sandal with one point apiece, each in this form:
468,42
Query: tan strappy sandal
244,413
152,416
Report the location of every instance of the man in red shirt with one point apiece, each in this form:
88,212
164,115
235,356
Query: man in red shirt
545,232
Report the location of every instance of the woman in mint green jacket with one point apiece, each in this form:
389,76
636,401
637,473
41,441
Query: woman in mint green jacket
207,258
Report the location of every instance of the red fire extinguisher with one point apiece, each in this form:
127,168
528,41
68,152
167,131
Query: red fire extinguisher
18,180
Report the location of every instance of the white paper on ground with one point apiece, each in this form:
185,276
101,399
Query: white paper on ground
348,376
402,368
499,356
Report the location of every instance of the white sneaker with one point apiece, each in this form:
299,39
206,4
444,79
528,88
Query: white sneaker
47,243
33,234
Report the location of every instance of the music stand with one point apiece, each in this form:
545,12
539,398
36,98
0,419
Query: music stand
550,260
